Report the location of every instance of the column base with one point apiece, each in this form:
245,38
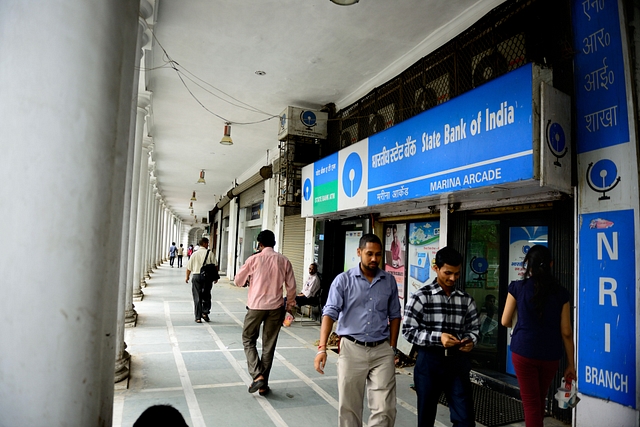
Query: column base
137,295
122,371
143,283
130,319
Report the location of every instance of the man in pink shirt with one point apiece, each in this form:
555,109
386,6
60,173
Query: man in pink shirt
268,271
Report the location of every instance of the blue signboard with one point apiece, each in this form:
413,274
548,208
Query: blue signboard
481,138
607,301
601,100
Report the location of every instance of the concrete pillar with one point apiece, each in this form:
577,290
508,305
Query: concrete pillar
139,267
64,152
135,229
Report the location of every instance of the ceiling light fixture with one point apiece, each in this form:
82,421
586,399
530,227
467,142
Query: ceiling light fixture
193,197
201,179
191,205
226,139
345,2
261,73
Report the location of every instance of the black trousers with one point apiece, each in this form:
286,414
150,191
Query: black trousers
201,296
179,260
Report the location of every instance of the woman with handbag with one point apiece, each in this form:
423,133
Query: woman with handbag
542,329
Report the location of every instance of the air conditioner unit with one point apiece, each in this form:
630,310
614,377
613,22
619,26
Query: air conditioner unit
382,120
504,57
302,122
431,94
349,135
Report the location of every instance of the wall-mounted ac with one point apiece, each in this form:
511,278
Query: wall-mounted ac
382,119
496,61
349,135
431,94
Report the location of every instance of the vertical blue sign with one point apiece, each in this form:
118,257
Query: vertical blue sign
601,100
607,301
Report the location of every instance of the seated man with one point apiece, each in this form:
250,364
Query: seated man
310,288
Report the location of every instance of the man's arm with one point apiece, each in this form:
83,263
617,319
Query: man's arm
394,330
243,274
321,356
290,285
188,274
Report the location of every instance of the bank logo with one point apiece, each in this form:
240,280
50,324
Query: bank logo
306,189
556,141
602,177
308,118
283,122
352,175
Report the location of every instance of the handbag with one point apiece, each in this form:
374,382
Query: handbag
208,272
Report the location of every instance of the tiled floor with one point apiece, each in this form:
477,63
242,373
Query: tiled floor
201,369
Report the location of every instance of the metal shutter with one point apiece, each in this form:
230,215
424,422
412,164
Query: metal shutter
293,245
252,195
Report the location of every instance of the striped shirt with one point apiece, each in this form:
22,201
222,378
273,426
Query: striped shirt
430,312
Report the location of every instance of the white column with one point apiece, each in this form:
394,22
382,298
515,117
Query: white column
133,279
64,133
141,229
231,247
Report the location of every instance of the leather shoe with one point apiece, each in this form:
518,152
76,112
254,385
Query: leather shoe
256,385
264,391
205,317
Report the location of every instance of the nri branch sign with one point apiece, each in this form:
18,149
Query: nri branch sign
607,301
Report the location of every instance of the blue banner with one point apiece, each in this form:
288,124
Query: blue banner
601,99
607,301
481,138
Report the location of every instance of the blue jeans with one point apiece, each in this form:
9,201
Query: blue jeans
434,373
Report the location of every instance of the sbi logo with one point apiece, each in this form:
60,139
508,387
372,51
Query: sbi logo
352,175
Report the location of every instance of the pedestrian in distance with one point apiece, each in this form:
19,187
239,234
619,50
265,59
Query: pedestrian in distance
172,253
180,255
200,288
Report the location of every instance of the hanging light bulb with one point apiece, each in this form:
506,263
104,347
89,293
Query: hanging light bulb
226,139
193,197
191,205
201,180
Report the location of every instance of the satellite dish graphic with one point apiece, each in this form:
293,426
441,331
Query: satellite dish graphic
602,177
556,141
479,266
308,118
352,175
306,189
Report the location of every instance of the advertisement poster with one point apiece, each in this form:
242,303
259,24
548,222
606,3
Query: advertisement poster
424,238
520,241
395,255
351,242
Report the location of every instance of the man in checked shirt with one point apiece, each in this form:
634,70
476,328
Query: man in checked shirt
443,324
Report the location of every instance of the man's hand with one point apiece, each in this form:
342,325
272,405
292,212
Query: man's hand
186,281
467,345
320,361
449,340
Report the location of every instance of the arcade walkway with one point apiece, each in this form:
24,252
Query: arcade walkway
201,370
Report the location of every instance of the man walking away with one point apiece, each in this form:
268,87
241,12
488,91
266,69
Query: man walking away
268,271
172,253
180,255
364,301
201,289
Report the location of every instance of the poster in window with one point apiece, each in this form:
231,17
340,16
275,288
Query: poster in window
424,242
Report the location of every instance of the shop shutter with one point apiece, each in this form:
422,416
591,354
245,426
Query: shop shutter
293,245
252,195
